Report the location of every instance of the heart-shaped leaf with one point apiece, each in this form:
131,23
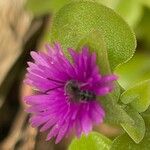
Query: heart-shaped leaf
115,114
124,142
135,130
76,20
94,141
138,96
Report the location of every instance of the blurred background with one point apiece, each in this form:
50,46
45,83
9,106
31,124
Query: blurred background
25,26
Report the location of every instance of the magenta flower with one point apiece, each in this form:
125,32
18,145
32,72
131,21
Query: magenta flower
67,91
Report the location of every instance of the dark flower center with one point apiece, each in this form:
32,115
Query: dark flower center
74,92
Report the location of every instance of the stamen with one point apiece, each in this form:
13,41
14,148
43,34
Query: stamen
75,94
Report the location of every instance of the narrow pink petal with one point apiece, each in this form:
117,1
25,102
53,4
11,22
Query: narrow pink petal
96,115
62,132
37,99
78,128
86,123
38,59
103,91
37,121
74,55
48,125
97,107
54,131
109,78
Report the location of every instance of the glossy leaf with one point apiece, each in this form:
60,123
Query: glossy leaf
138,96
135,130
94,141
76,20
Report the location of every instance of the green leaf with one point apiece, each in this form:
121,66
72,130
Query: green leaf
115,114
110,3
138,96
124,142
95,42
40,7
135,130
146,2
94,141
146,116
130,10
143,32
134,71
76,20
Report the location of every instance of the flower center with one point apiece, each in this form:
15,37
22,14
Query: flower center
75,94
